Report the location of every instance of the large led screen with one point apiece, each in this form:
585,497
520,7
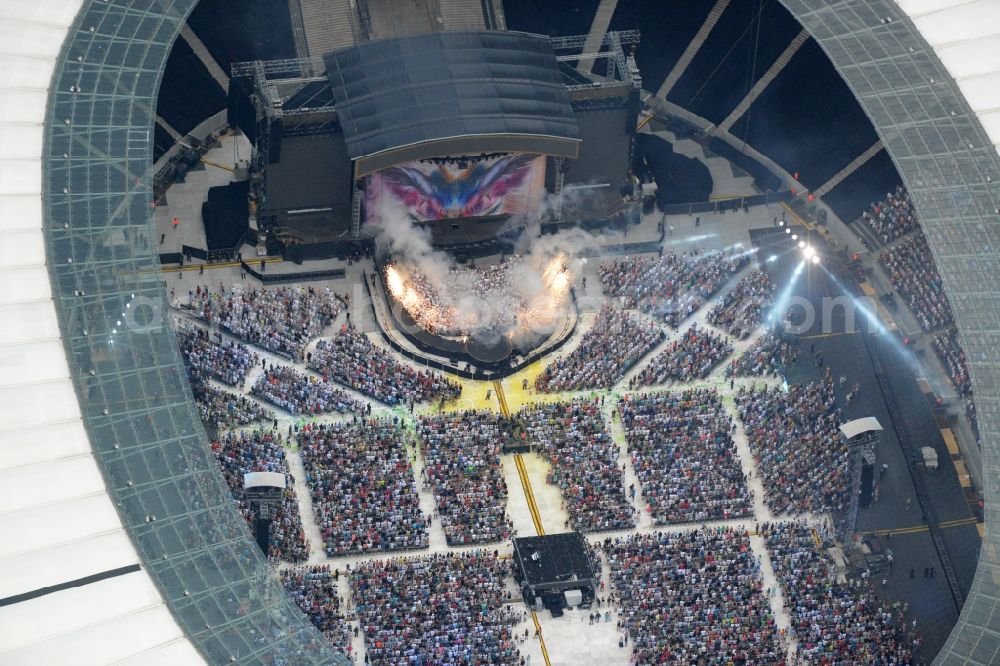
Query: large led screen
425,191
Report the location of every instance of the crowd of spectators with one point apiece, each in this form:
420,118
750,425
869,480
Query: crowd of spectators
462,454
795,440
671,287
914,274
281,320
363,490
239,453
770,355
351,359
223,410
693,598
970,413
298,393
742,309
314,590
573,438
220,359
615,343
683,453
893,217
467,298
691,356
836,621
441,609
952,357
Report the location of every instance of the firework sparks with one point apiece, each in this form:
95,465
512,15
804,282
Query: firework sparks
484,300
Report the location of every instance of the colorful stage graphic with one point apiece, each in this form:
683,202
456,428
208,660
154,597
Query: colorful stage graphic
467,187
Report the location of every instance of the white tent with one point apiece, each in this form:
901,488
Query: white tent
852,429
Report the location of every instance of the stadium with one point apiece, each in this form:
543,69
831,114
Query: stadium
499,332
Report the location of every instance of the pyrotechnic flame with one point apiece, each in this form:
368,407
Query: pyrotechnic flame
462,319
395,280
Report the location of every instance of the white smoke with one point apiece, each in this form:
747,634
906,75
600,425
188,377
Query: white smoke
412,244
483,312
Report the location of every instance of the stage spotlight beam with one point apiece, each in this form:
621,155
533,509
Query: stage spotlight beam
778,310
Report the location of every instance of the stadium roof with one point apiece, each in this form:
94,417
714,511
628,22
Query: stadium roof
121,542
451,93
928,124
966,37
72,586
930,87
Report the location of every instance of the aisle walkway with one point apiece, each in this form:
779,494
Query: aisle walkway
534,505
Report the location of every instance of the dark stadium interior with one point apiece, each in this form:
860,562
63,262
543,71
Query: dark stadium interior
744,43
807,120
405,256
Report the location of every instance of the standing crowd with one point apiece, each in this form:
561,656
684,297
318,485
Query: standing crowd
363,490
615,343
769,355
220,359
351,359
893,217
952,357
441,609
314,590
835,621
223,410
672,287
239,453
683,453
742,309
693,598
794,437
462,454
914,274
281,320
692,356
298,393
573,438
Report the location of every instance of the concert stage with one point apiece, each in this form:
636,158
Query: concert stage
484,357
344,144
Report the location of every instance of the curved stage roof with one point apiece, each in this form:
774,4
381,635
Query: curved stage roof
451,93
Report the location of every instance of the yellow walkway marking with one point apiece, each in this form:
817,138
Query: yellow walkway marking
825,335
529,496
473,397
949,441
795,216
501,398
194,267
880,309
518,394
522,472
217,165
541,640
916,529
